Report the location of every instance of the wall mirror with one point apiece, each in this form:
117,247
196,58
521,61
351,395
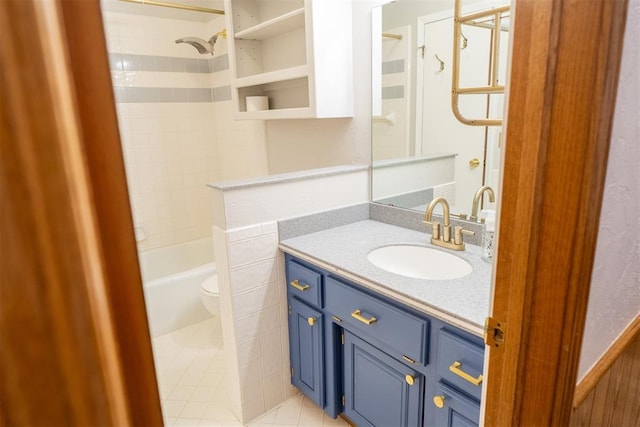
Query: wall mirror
420,149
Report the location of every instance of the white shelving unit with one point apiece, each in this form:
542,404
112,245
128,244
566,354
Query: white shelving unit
296,52
279,25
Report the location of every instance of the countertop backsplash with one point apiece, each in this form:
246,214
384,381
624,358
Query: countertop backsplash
405,218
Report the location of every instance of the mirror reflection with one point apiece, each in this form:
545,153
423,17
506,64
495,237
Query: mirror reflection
421,150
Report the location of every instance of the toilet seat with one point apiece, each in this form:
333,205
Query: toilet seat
210,285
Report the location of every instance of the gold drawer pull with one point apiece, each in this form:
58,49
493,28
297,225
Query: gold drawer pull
410,379
455,368
358,315
311,321
439,401
298,286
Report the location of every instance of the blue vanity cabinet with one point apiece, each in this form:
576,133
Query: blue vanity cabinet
314,341
306,345
306,328
379,390
377,361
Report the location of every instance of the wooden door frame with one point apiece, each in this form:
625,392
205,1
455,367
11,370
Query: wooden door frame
70,277
73,330
565,66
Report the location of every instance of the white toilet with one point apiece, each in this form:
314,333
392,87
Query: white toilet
210,295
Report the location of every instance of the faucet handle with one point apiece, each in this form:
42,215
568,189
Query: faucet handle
458,231
435,228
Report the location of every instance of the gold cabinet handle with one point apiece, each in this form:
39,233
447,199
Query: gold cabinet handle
410,379
439,401
474,163
311,321
298,286
358,316
455,368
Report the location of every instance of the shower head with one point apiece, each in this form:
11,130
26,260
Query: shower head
201,45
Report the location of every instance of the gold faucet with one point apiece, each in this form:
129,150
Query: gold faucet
444,239
478,197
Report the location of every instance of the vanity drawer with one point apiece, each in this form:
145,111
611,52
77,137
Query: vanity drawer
452,408
460,362
398,329
304,283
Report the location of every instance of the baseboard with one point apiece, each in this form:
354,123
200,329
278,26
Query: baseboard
601,367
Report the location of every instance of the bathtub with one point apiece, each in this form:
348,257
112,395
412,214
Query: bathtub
171,278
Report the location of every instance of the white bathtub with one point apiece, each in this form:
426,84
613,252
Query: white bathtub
171,278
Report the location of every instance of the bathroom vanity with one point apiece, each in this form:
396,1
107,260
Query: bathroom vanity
381,348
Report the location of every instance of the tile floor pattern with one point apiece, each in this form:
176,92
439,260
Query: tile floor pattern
192,382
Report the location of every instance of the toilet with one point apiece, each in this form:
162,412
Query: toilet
210,296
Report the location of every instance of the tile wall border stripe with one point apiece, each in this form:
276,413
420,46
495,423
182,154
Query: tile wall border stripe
137,94
173,64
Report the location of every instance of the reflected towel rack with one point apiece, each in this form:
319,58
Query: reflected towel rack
177,6
491,19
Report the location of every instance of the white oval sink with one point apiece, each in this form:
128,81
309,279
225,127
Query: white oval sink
419,262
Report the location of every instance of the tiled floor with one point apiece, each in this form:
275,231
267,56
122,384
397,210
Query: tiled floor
191,378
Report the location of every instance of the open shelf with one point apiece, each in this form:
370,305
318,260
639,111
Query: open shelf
284,113
261,57
306,72
290,95
273,76
276,26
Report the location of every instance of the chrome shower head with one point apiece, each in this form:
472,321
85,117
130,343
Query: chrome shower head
201,45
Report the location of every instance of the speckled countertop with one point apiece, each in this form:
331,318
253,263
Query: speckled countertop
343,250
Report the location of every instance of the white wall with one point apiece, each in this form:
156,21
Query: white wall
173,149
614,298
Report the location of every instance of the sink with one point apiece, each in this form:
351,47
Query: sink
419,262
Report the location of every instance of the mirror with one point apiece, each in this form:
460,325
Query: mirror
420,149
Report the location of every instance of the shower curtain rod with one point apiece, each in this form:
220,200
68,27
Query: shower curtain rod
177,6
392,36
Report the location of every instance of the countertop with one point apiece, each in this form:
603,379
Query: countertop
463,302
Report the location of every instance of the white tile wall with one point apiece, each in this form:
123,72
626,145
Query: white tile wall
172,150
256,301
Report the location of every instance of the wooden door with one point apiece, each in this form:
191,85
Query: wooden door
564,72
75,347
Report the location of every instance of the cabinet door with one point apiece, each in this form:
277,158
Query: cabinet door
306,350
457,409
379,390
